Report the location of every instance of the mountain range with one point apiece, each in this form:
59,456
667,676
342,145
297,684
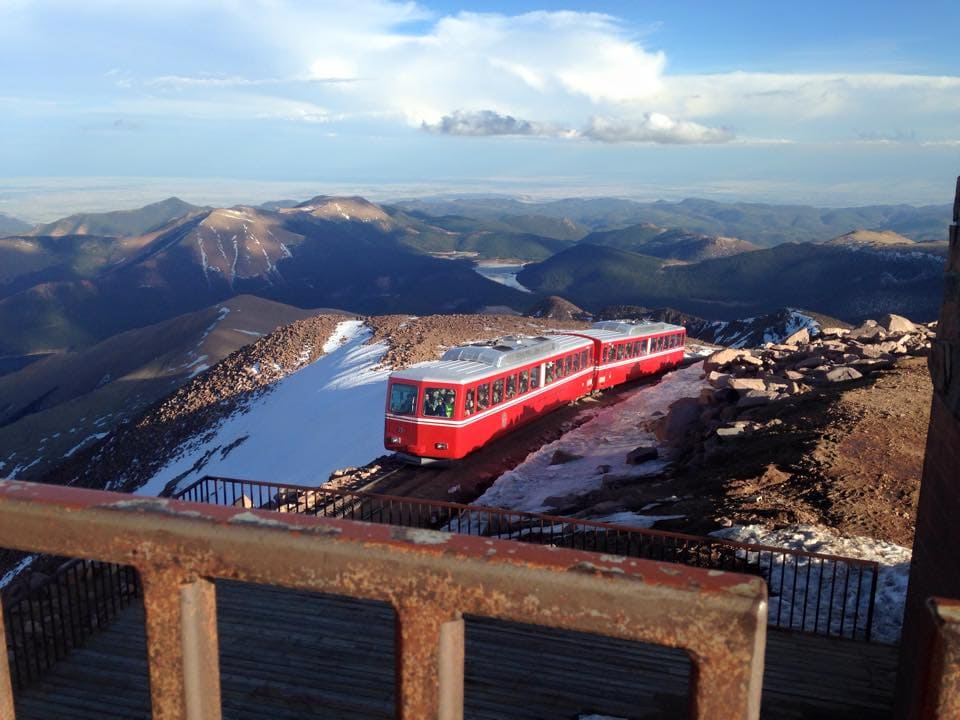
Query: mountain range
758,223
77,281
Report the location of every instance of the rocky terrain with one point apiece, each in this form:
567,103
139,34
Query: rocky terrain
826,430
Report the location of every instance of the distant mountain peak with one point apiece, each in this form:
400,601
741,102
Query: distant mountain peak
874,238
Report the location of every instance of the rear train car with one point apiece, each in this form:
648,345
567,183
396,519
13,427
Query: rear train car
627,351
447,409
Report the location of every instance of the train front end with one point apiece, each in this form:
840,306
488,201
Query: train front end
421,418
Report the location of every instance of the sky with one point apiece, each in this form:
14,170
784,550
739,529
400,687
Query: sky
112,103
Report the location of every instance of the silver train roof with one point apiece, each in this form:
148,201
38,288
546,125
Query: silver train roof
468,363
472,362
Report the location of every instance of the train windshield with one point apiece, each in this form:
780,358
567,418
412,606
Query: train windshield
403,399
439,402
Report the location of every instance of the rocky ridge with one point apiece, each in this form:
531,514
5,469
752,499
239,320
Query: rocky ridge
743,380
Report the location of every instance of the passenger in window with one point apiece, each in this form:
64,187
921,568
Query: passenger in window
468,403
567,365
524,381
548,373
483,397
511,386
497,391
619,352
535,378
576,362
449,400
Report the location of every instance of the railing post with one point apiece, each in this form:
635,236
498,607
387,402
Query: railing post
182,647
429,663
942,696
6,686
729,685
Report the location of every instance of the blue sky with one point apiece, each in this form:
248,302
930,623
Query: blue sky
109,102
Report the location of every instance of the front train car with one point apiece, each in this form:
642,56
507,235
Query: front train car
447,409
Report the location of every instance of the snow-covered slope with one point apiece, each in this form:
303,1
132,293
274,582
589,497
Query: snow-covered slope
323,417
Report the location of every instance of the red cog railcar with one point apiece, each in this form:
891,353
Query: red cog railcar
475,393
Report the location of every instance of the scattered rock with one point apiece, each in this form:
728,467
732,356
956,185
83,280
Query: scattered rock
642,454
561,456
842,374
748,384
800,337
897,324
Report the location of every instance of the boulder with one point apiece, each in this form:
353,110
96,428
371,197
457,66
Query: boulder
794,375
897,324
732,431
833,332
756,398
800,337
810,362
681,420
748,384
642,454
560,457
720,359
866,332
842,374
717,379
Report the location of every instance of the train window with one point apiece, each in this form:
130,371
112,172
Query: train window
629,350
483,397
403,399
558,369
439,402
524,381
659,344
636,348
534,377
497,397
567,365
606,354
619,352
583,359
511,386
548,372
468,402
576,362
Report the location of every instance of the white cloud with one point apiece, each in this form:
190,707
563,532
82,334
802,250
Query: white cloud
312,60
655,128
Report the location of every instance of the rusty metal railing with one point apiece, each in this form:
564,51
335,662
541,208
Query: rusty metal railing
941,697
47,619
431,579
811,592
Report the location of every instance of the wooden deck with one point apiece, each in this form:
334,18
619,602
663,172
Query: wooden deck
287,655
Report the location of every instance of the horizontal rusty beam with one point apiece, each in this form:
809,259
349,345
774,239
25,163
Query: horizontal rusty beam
431,578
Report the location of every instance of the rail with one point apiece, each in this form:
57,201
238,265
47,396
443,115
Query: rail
431,579
47,619
811,592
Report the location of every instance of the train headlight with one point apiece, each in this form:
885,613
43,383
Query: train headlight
440,446
393,440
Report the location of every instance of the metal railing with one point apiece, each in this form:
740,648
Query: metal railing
811,592
47,619
431,579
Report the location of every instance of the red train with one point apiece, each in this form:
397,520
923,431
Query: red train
475,393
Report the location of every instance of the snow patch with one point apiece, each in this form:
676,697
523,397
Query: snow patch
502,273
891,587
326,415
85,441
16,570
342,333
